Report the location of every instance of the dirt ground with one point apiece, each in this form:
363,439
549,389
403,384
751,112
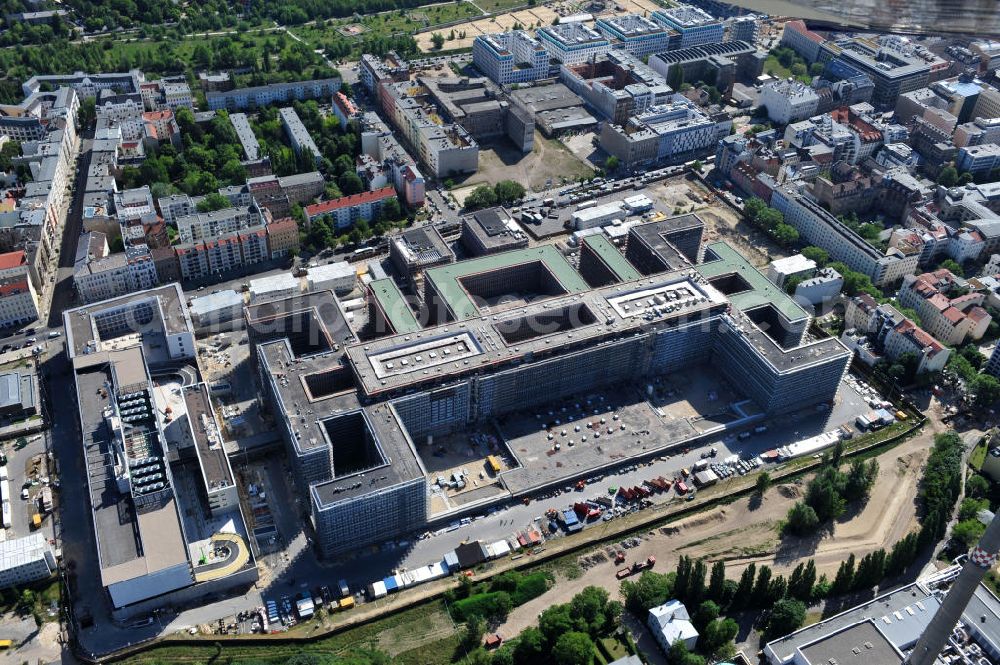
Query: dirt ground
545,166
745,531
540,16
721,222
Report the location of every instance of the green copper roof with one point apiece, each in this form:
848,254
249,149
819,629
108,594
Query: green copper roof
762,291
445,278
391,300
623,270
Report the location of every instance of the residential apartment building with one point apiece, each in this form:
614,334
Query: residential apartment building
347,210
788,101
206,225
510,57
950,320
18,299
298,135
221,254
275,93
379,144
819,227
98,275
572,43
282,237
633,33
694,25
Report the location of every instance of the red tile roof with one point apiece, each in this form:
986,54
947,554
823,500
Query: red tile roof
13,259
349,201
20,286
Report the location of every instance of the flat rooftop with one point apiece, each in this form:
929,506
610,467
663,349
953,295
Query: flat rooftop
494,228
860,644
447,280
753,289
212,457
421,246
312,322
394,460
166,305
448,351
654,236
130,544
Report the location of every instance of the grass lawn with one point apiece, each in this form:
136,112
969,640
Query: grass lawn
978,456
405,22
425,632
775,68
491,6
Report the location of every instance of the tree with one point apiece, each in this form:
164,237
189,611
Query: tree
707,612
588,608
760,588
785,235
977,486
786,616
861,478
948,176
475,628
213,201
556,621
718,634
482,196
745,587
816,69
611,164
763,483
683,579
573,648
530,646
871,568
717,582
802,519
985,390
696,586
968,532
508,191
437,39
800,585
650,590
953,266
844,581
820,256
679,655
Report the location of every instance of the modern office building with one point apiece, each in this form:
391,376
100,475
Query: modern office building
743,29
618,85
572,43
549,335
634,33
893,66
490,231
510,57
667,134
978,160
723,63
417,249
694,25
139,459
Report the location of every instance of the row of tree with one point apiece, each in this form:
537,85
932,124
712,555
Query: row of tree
770,221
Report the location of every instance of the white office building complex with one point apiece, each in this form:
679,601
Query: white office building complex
634,33
695,26
510,57
572,43
788,101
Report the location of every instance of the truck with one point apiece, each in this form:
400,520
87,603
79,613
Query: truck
636,568
36,521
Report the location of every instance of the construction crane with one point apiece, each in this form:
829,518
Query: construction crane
982,558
